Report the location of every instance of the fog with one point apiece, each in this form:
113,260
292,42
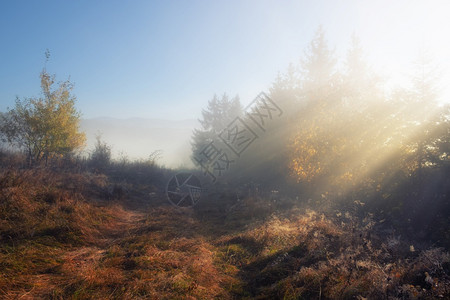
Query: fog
137,138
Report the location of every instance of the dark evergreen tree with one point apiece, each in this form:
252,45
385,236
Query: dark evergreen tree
215,118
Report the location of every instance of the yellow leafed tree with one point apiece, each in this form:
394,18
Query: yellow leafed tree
45,127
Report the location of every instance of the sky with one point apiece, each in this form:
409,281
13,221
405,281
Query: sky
166,59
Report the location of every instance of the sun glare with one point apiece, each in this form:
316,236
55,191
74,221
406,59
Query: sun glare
395,33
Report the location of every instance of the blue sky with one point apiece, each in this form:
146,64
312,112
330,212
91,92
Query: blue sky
166,59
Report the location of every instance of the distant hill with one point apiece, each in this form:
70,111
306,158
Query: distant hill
138,137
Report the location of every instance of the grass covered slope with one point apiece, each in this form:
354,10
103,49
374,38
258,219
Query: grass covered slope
66,236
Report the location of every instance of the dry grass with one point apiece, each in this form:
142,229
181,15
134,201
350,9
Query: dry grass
61,238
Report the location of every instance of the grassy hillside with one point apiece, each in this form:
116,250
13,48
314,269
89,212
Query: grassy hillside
70,236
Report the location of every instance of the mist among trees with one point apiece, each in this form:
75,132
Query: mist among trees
344,195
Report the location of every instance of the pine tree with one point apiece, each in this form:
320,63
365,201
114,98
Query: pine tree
215,118
318,69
